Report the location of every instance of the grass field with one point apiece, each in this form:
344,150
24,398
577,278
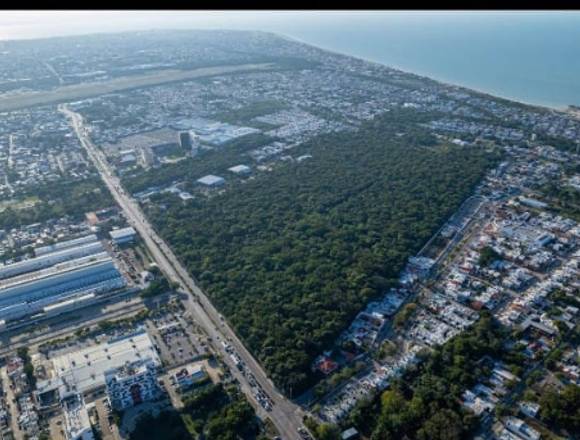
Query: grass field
19,204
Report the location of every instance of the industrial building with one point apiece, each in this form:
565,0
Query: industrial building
240,169
211,180
124,235
84,370
213,132
43,250
26,295
132,384
49,259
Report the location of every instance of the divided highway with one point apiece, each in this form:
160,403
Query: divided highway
286,416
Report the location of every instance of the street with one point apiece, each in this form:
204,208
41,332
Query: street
286,416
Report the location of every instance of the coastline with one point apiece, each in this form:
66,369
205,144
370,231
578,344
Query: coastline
565,108
429,76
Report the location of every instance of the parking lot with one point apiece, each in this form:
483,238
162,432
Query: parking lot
176,343
108,430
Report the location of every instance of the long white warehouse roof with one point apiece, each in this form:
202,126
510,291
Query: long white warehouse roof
48,260
117,234
86,368
43,250
52,270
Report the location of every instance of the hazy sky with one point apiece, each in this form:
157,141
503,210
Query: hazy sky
34,24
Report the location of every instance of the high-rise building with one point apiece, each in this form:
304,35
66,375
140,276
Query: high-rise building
132,384
185,140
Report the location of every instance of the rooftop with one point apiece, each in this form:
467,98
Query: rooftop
211,180
86,368
122,233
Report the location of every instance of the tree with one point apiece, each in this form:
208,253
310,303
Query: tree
444,425
487,256
562,409
327,431
291,257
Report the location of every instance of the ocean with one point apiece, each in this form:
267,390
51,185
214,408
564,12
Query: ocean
532,58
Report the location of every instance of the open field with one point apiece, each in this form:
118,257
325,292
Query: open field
29,202
87,90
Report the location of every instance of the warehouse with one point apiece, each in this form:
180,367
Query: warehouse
48,260
211,180
43,250
85,369
121,236
32,295
240,169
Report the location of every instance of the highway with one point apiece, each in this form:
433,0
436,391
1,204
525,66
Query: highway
286,416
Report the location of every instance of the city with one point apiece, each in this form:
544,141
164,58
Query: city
122,313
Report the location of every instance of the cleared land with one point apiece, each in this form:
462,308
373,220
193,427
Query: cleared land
90,89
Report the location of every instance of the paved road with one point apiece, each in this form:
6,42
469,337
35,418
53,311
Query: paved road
286,416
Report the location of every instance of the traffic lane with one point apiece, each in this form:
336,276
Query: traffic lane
130,206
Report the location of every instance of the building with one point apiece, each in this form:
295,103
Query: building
83,371
211,180
186,377
349,434
69,304
43,250
529,409
148,159
533,203
213,132
32,293
124,235
240,169
127,159
76,419
185,140
521,429
195,144
50,259
132,384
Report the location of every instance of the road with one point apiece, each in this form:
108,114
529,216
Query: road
286,416
52,70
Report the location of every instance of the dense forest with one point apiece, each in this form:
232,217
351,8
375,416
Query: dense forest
57,199
293,255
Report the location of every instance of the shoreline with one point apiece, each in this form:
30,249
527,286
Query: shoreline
565,108
562,109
